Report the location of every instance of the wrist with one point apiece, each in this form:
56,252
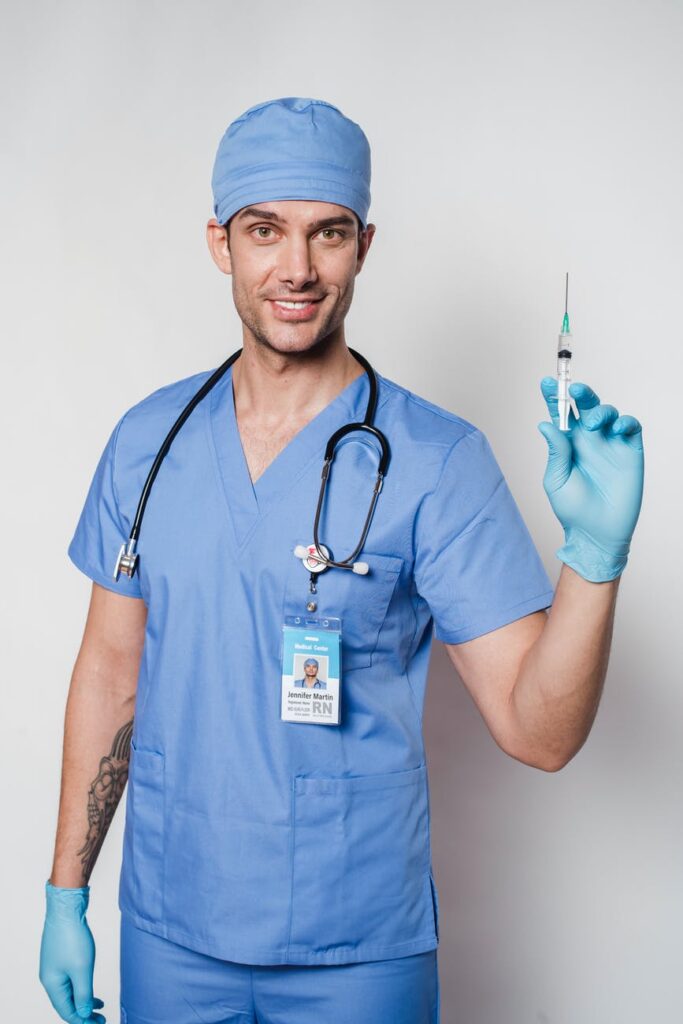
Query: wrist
597,563
66,904
85,889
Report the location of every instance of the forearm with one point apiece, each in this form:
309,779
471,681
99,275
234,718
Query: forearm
557,693
97,729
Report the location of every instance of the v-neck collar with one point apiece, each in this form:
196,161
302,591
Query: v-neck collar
248,501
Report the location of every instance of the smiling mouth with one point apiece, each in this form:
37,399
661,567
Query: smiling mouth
294,310
294,304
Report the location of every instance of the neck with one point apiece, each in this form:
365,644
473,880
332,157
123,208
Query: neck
274,387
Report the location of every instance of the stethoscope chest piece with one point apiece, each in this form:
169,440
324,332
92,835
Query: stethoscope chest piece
127,560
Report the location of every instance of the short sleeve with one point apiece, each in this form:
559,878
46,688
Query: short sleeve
101,531
476,565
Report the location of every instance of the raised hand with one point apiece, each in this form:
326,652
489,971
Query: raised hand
594,481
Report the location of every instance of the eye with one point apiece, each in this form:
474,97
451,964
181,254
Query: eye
331,231
262,227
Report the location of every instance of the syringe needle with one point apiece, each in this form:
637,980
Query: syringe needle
565,322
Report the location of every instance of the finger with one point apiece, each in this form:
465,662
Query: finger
584,396
60,995
92,1018
626,425
631,430
559,463
599,416
82,981
549,392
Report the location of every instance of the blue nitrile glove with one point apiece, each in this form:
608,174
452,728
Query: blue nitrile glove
67,955
594,481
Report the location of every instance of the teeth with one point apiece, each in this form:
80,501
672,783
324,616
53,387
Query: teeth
292,305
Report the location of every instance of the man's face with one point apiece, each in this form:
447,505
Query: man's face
311,670
287,251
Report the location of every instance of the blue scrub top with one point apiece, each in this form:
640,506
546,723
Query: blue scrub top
317,685
246,837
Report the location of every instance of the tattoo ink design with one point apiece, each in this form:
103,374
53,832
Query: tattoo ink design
104,795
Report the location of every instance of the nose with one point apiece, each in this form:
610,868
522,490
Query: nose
296,266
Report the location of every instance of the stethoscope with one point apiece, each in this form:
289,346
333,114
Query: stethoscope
315,557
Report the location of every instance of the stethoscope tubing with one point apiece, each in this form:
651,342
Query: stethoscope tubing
170,437
127,559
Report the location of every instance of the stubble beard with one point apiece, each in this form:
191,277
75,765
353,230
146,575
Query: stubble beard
255,324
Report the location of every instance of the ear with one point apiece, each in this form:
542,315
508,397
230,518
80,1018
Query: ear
217,240
363,245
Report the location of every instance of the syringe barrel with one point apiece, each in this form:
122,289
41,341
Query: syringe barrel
564,343
564,376
564,368
563,382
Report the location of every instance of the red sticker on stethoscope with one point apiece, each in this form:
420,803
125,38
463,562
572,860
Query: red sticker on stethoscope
311,561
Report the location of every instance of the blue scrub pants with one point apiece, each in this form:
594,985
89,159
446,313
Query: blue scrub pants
164,983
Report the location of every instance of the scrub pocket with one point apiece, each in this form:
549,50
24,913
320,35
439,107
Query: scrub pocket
361,863
144,837
360,601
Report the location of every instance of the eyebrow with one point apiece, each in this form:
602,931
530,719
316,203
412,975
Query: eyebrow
326,222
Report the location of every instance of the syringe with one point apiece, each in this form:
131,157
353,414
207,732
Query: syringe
564,356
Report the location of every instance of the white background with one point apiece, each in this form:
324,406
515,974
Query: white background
511,142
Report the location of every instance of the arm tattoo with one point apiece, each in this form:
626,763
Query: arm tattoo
103,797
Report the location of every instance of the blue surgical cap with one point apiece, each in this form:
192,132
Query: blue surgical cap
292,148
311,661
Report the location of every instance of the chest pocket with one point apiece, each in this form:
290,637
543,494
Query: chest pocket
361,602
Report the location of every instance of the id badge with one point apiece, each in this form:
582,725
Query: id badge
311,670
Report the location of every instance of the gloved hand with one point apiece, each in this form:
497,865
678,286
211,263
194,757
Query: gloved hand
67,955
594,481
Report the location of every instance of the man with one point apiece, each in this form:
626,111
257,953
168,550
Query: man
229,805
310,678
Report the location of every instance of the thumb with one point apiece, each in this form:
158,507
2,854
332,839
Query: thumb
559,456
82,982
